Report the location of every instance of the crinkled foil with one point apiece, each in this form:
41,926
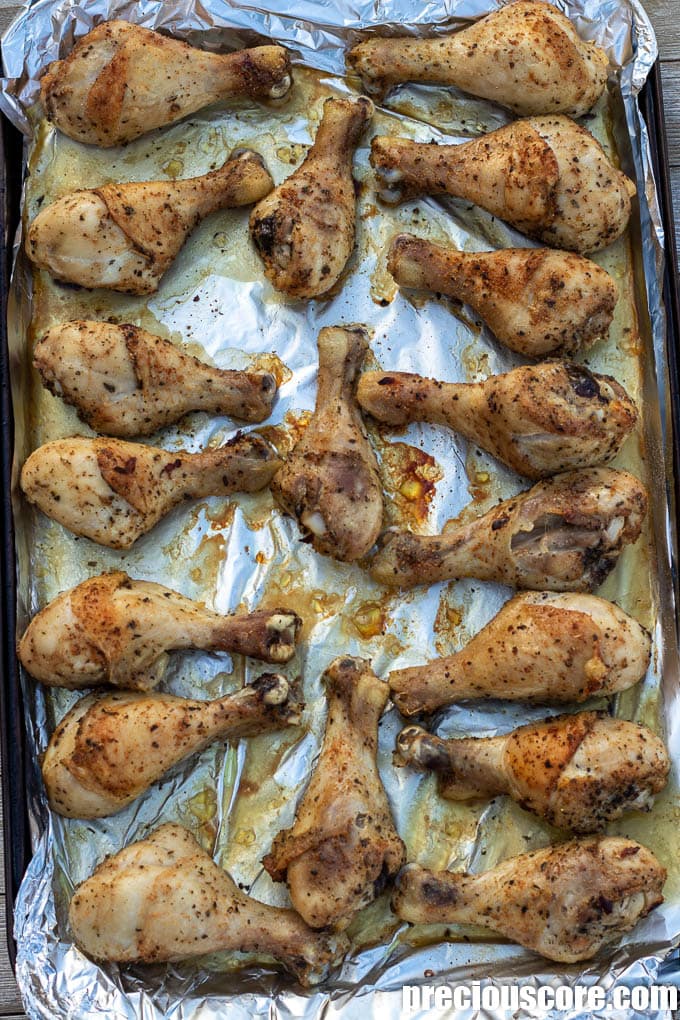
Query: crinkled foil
243,552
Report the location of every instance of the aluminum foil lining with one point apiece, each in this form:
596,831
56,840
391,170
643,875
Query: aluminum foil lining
243,552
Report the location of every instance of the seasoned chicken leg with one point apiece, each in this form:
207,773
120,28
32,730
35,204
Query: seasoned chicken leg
113,630
163,898
304,230
127,382
564,534
546,176
565,902
343,846
113,492
526,56
579,772
540,647
536,301
110,748
125,236
330,482
538,420
120,81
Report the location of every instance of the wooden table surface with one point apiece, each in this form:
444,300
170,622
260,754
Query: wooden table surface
665,15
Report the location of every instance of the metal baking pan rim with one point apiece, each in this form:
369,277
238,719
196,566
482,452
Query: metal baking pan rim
13,739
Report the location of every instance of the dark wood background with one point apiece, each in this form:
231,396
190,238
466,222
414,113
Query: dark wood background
665,15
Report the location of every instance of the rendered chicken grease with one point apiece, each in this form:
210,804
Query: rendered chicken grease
246,555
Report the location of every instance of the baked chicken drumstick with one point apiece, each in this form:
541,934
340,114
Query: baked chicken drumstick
526,56
539,420
121,80
127,382
112,492
546,176
304,230
579,772
114,630
125,236
343,846
565,902
330,482
537,301
110,748
540,647
163,898
564,534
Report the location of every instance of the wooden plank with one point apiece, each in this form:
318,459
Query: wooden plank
675,184
10,1000
670,77
664,16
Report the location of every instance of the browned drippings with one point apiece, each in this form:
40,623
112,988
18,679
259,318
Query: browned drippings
284,589
208,558
272,363
446,626
479,484
287,433
409,476
369,619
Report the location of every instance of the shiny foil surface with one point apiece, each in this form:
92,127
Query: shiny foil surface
243,552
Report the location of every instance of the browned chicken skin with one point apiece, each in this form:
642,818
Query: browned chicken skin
541,647
304,230
163,898
564,902
110,748
343,846
330,482
539,420
127,382
546,176
537,301
579,772
112,491
526,56
125,236
564,534
114,630
121,80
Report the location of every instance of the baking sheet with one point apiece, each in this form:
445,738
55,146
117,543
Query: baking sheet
244,553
